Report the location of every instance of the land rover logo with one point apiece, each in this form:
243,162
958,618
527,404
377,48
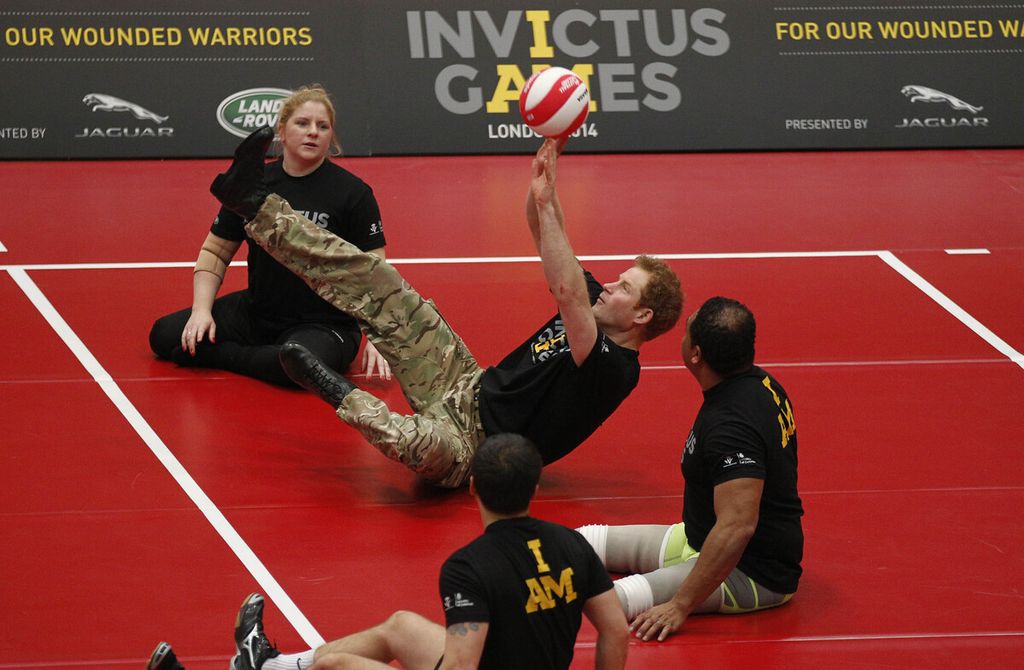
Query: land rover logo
243,112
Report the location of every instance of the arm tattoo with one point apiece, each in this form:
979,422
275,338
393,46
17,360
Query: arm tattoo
463,629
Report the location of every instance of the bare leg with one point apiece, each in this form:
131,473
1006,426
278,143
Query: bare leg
415,642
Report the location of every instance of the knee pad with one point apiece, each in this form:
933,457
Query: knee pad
742,594
597,536
635,594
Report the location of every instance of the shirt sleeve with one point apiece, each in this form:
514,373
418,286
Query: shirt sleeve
228,225
462,595
365,228
734,449
594,287
599,581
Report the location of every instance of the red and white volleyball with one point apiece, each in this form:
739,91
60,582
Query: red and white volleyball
554,102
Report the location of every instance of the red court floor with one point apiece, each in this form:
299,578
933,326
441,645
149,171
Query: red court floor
142,501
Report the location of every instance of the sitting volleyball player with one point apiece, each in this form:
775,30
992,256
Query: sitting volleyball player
243,331
555,389
513,598
740,544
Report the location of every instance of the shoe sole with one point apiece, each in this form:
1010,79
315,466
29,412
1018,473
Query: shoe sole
245,605
238,621
158,655
263,139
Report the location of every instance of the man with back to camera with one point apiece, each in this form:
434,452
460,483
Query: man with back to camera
740,544
513,598
556,388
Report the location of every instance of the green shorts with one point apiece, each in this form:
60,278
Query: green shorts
740,593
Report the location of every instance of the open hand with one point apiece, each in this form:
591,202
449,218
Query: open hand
542,183
659,621
374,362
199,327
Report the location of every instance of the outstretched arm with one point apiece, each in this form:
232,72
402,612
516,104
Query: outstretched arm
532,218
561,269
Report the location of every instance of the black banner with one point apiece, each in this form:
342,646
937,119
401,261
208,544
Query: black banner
106,79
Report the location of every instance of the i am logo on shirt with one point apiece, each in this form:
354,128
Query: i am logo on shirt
787,424
545,592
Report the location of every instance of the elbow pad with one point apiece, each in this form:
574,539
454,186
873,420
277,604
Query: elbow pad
211,261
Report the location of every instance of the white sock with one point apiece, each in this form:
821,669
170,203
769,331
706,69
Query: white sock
597,536
290,661
635,595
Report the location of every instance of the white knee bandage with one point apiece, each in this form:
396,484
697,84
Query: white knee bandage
597,536
635,595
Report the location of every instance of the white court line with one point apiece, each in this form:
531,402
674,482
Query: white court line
861,638
938,296
893,636
249,559
477,260
2,247
630,257
852,364
887,256
833,492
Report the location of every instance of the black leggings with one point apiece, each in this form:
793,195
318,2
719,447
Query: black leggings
247,349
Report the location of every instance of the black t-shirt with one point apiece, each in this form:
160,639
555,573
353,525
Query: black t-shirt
538,391
745,428
332,198
528,580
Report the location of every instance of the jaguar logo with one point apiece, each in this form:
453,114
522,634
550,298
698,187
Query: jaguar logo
100,102
925,94
970,119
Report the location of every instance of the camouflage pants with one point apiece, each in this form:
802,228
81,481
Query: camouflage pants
438,375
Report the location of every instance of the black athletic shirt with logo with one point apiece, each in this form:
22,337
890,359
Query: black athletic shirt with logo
332,198
745,428
538,391
528,580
